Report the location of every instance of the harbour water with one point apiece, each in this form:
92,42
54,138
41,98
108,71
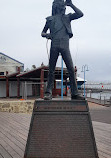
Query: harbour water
98,90
100,95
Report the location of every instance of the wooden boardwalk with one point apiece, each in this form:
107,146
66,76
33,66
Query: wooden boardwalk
14,130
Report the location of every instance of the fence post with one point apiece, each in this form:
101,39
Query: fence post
104,100
100,97
90,93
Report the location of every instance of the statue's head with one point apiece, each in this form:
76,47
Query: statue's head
58,7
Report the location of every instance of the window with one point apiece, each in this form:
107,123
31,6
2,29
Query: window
1,73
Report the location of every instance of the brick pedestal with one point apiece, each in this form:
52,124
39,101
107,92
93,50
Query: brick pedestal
61,129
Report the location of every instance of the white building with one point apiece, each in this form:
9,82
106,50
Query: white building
9,64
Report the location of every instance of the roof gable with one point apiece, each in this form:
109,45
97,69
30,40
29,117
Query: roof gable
11,58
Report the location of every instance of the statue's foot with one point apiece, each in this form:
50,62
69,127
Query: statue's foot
77,97
48,96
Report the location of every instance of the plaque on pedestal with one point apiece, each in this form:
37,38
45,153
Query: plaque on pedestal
61,129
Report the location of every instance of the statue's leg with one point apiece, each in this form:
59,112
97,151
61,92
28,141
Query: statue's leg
65,52
52,63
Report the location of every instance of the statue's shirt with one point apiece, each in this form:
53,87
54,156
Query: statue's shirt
60,25
58,28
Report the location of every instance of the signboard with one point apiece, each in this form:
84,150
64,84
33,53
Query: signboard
61,129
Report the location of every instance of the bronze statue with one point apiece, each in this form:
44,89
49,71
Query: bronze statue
59,25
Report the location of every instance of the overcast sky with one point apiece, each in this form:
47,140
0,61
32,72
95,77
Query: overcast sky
21,23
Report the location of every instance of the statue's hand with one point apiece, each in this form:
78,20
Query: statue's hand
68,3
48,36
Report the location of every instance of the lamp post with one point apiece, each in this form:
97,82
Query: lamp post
84,69
61,78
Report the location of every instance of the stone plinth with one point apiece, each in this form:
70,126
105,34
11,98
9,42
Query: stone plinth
61,129
17,106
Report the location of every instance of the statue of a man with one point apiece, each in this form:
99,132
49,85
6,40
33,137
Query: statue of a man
59,25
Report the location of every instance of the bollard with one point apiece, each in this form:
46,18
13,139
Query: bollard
110,101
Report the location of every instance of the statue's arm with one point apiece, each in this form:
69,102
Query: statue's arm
78,13
44,31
